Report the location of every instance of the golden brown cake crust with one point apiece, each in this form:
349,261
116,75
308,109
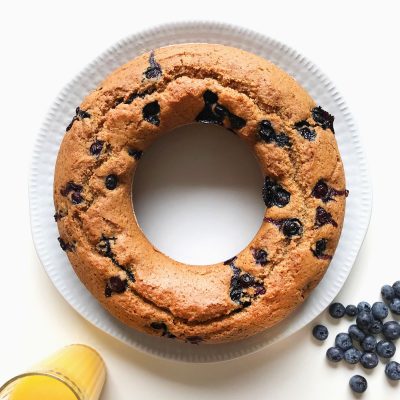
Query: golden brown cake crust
303,192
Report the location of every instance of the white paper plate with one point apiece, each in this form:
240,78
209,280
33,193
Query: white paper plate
44,229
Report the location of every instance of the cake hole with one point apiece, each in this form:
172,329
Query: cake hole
197,194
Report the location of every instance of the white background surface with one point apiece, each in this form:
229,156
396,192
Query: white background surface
44,45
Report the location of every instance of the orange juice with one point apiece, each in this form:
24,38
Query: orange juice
41,387
76,372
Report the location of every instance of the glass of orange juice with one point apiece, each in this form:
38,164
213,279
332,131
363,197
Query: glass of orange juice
76,372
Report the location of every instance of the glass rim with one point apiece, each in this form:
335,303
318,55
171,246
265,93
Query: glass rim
48,374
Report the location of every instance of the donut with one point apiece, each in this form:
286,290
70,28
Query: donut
304,193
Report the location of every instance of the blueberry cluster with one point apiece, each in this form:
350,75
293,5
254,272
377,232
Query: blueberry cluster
369,338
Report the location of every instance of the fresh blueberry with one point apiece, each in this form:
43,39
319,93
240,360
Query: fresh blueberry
358,384
369,343
111,181
396,288
392,370
394,306
292,227
363,306
379,310
376,326
385,348
356,333
343,341
336,310
387,292
391,330
364,320
334,354
352,355
351,310
320,332
369,360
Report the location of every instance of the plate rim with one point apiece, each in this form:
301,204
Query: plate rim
171,27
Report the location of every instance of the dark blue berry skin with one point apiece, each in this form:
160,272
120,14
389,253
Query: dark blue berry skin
343,341
376,326
356,333
391,330
364,320
352,355
320,332
334,354
111,181
394,306
379,310
369,360
358,384
336,310
396,288
387,292
351,310
386,349
369,343
392,370
363,306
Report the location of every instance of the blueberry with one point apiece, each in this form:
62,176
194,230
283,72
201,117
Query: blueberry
396,288
364,320
76,198
117,284
394,306
392,370
319,251
343,341
334,354
351,310
303,127
379,310
136,154
320,332
356,333
266,131
336,310
387,292
323,217
369,360
154,70
151,113
352,355
260,256
363,306
358,384
376,326
274,194
391,330
246,280
292,227
96,147
321,190
210,97
385,348
323,118
111,181
159,326
369,343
